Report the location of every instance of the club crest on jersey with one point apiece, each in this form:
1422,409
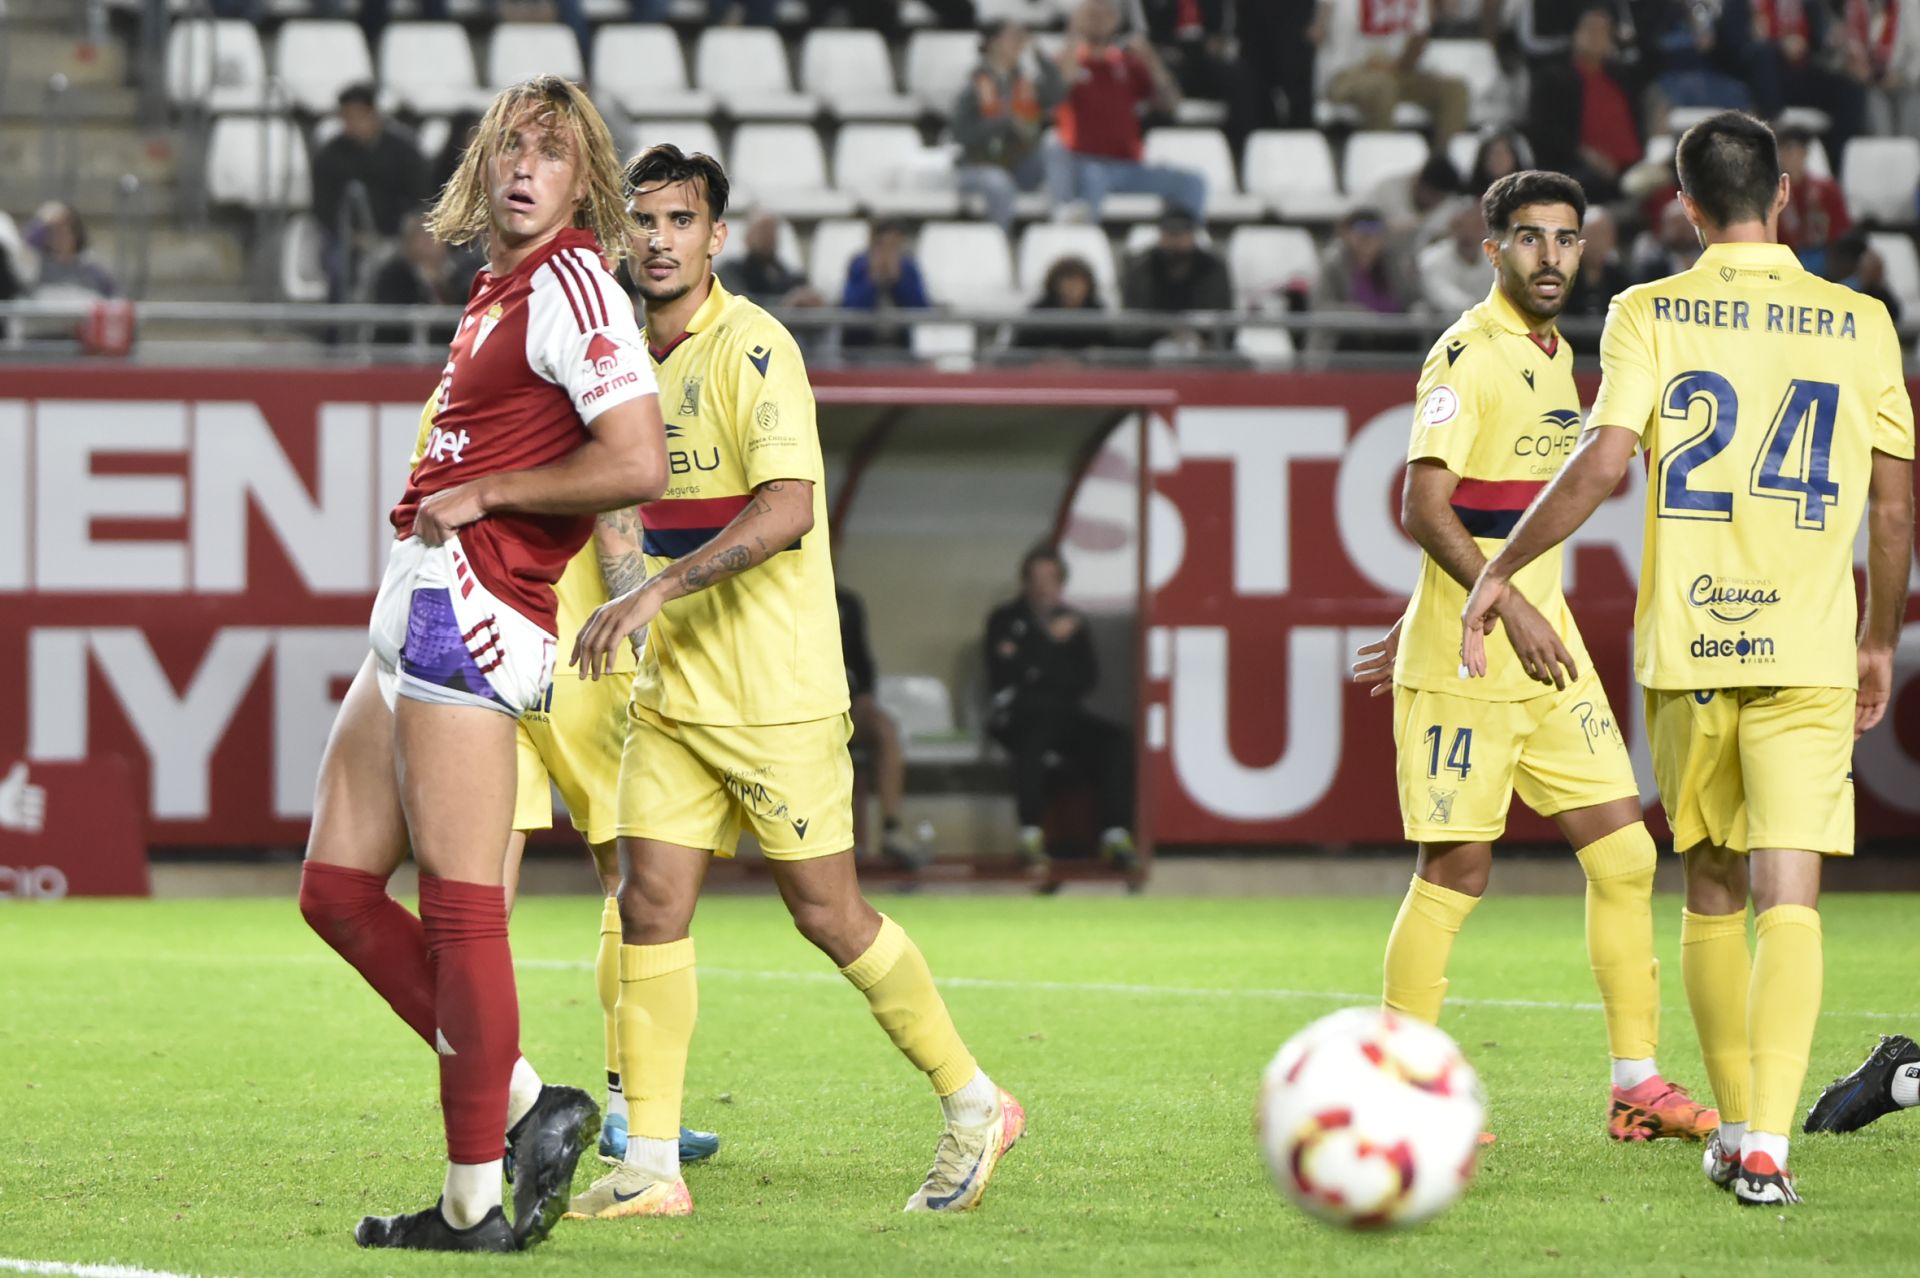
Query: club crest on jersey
1441,406
689,399
488,322
602,355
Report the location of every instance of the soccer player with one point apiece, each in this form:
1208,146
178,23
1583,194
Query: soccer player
1773,413
546,413
1498,414
739,712
1887,1080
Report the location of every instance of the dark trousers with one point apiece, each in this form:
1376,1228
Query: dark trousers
1084,746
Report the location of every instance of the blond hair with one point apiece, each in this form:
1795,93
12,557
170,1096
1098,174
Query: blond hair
463,212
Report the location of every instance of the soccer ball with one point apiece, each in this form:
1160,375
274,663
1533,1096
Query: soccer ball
1370,1119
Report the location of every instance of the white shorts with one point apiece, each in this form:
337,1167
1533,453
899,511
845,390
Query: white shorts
439,635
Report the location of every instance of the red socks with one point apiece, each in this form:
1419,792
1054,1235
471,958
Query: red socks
476,1009
352,912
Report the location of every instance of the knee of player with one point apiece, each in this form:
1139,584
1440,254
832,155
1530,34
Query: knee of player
645,920
830,925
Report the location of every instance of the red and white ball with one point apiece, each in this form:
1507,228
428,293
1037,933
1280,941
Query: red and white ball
1370,1119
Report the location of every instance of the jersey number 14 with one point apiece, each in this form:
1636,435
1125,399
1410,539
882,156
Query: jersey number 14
1791,465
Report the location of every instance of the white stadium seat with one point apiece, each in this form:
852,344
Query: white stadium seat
1264,261
967,265
1903,269
1879,176
885,168
1475,62
938,65
258,163
303,278
689,135
1265,345
852,73
1044,243
429,67
1205,151
745,68
521,50
788,171
1376,156
1461,148
218,64
1292,170
641,67
316,59
836,242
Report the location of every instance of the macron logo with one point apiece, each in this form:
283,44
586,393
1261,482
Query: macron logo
602,355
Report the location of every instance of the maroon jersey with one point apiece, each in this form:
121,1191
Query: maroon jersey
540,352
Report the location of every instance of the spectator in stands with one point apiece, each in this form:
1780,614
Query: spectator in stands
883,278
461,128
1667,249
1418,207
1454,272
1816,212
1582,111
1358,274
884,15
67,267
1543,30
1603,273
1277,54
1100,148
998,120
1702,49
368,171
1887,33
1070,286
1196,41
1500,153
1370,60
1177,274
1040,666
761,275
420,272
876,734
1852,262
1800,57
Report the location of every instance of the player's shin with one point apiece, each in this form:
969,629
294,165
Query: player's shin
351,911
1619,870
1419,946
1782,1007
606,980
1716,969
659,1003
894,976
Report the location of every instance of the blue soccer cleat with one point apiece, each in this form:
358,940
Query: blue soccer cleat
695,1147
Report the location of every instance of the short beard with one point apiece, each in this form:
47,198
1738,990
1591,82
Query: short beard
660,297
1521,295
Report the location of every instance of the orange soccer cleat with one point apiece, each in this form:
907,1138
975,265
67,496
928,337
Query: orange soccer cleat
1659,1110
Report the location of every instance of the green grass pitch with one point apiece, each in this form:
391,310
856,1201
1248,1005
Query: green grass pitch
200,1087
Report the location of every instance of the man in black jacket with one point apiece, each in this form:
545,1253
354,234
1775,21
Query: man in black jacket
1040,664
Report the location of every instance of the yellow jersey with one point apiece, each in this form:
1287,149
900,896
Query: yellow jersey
1759,392
764,646
580,589
1498,408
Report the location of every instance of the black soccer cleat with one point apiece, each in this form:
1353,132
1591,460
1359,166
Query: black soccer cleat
1852,1102
542,1149
429,1231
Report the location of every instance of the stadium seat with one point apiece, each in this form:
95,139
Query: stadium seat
641,67
257,162
1205,150
852,73
689,135
303,278
1461,148
1376,156
1029,13
1903,268
948,346
429,67
745,68
786,243
1142,236
1879,176
919,703
1292,170
1266,261
885,168
217,64
938,64
316,59
1044,243
836,242
521,50
967,265
783,170
1475,62
1264,345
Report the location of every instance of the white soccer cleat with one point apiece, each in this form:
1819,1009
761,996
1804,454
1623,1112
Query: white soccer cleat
966,1158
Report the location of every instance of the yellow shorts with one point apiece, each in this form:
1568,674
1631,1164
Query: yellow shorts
573,739
1756,767
1461,760
695,784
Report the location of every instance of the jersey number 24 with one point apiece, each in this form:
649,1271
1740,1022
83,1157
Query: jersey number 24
1791,465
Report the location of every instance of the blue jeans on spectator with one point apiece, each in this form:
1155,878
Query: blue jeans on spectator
1093,178
997,184
759,12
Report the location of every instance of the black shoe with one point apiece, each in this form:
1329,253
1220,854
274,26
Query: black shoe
542,1149
1852,1102
902,854
429,1231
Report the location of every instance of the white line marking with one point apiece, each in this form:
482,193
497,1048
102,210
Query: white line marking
77,1270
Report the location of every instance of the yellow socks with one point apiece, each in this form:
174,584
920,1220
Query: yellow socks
1781,1009
1620,938
899,989
1418,947
1715,966
606,980
659,1001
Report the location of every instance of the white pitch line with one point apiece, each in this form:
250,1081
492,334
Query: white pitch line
11,1265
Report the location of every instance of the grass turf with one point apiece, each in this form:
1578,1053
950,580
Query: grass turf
202,1087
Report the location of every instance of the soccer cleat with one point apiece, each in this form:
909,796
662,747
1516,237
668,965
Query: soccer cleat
966,1158
1852,1102
543,1148
1033,849
1116,846
1659,1110
429,1231
695,1147
904,853
1761,1183
1719,1164
628,1191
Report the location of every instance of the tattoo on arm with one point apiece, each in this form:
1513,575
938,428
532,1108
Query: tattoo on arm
742,544
617,544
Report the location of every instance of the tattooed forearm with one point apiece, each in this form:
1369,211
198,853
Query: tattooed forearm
622,573
762,529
